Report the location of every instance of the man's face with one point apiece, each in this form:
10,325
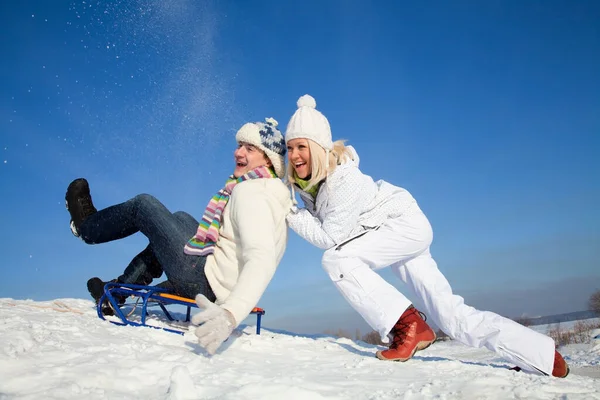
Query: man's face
247,157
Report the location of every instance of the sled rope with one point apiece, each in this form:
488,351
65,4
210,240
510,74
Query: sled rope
58,306
134,306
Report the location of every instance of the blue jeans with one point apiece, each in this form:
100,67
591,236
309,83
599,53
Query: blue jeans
167,232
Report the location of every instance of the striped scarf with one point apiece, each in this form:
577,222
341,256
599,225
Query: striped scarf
206,237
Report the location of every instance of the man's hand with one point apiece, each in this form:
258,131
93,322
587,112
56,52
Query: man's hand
216,324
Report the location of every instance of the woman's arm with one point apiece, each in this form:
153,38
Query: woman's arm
309,228
347,194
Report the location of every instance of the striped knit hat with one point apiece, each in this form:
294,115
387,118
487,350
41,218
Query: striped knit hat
265,136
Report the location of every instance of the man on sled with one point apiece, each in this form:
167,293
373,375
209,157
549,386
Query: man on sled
227,260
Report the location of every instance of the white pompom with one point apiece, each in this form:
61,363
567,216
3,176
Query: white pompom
306,101
272,121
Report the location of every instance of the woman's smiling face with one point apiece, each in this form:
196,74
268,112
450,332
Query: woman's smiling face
299,157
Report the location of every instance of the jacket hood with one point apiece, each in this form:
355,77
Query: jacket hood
354,159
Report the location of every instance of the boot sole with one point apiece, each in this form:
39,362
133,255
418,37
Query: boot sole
420,346
425,344
381,357
565,375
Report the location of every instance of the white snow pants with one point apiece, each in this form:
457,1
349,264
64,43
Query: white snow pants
403,243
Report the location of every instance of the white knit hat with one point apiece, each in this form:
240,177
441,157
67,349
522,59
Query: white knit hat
265,136
308,123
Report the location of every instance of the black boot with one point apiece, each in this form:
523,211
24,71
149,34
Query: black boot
142,269
79,203
154,268
95,286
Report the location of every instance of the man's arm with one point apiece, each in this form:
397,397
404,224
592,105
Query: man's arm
255,220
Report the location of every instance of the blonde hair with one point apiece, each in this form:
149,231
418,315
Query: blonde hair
319,166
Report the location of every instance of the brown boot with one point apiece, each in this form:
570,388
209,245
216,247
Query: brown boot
411,334
561,368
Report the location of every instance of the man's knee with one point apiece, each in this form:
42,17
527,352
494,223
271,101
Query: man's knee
145,200
184,217
146,205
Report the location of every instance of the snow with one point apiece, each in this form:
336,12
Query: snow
61,350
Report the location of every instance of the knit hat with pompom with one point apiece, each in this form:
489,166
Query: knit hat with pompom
308,123
266,137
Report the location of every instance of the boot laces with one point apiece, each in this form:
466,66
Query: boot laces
401,329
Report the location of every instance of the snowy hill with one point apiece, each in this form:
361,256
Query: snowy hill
61,350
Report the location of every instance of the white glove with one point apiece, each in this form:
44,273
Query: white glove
216,324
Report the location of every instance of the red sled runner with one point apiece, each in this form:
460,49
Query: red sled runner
154,296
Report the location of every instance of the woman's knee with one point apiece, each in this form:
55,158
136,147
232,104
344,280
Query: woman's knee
421,227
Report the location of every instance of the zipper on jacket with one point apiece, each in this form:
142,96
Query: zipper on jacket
339,246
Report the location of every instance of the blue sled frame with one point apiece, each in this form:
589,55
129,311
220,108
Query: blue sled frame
155,295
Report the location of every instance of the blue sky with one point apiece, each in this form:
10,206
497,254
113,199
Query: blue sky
488,112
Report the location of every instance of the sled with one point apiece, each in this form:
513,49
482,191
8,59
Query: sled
151,295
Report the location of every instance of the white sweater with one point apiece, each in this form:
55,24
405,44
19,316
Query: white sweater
347,204
252,240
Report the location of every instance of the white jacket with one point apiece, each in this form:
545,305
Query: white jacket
348,203
252,240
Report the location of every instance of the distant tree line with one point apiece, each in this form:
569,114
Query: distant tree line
594,302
